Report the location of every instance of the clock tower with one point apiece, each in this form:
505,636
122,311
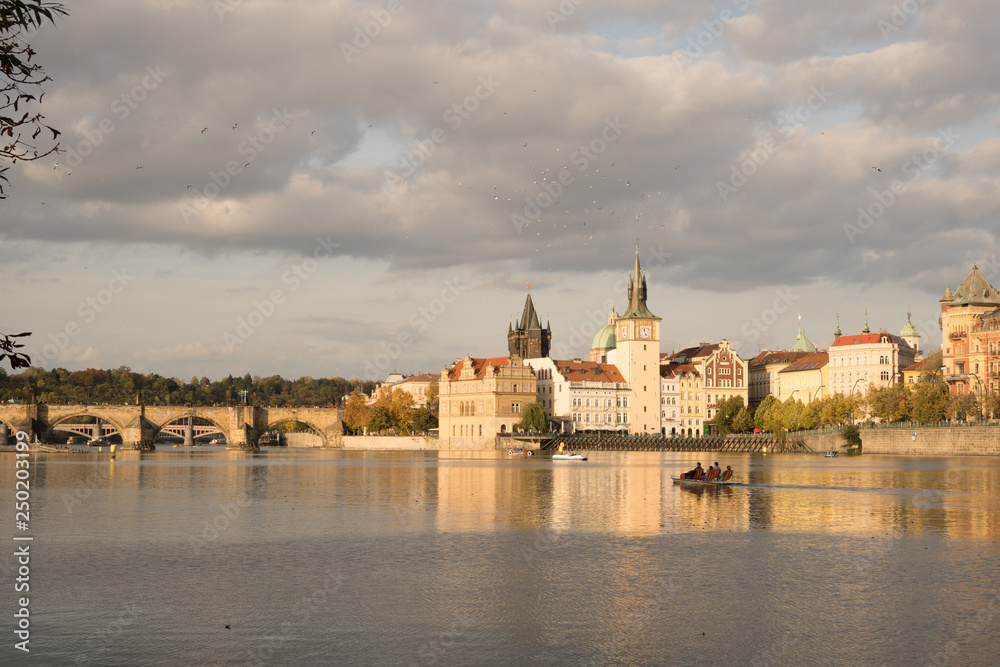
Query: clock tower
638,355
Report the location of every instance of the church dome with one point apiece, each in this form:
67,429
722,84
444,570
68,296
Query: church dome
909,331
605,338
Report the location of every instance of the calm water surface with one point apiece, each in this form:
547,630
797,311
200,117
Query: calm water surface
403,558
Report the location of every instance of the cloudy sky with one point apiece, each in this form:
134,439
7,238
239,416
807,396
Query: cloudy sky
347,188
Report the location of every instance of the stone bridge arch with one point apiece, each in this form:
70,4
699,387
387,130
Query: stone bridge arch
327,423
157,427
55,420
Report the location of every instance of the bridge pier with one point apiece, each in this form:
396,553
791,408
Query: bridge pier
243,432
139,434
189,432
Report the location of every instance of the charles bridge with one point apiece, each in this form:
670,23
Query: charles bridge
138,425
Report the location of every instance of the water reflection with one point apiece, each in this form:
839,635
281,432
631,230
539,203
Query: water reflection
623,493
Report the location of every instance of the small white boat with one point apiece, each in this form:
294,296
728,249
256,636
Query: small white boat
715,482
569,457
830,455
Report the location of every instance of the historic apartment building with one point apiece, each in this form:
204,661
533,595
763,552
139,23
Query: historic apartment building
482,397
868,359
806,379
670,394
718,373
970,335
582,395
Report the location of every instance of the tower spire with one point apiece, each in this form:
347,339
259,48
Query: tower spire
866,329
836,332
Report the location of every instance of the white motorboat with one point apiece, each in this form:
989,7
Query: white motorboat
572,456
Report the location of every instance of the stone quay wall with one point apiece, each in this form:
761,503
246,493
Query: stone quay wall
914,440
376,442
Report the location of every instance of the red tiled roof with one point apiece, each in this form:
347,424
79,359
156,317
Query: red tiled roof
810,363
678,369
588,370
863,339
925,364
766,358
478,365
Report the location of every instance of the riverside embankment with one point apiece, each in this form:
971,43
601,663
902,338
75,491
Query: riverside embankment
913,440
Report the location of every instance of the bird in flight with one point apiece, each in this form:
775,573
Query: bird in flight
204,129
234,125
876,168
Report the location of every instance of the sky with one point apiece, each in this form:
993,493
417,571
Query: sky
332,188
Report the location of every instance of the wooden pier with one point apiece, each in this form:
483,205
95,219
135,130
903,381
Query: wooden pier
636,443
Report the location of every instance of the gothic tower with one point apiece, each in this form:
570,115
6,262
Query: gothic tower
529,340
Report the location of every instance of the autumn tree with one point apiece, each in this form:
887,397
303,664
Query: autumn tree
743,422
401,409
890,404
356,412
768,413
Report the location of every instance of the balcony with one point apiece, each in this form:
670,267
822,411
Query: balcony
956,335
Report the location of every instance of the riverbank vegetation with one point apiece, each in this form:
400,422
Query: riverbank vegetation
927,401
122,385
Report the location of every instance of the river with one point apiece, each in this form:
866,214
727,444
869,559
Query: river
320,557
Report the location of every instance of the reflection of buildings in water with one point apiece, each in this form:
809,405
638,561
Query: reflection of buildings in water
467,490
619,498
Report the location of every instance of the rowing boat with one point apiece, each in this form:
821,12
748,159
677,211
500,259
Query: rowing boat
698,482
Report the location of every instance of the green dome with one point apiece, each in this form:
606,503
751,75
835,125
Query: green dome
605,338
909,331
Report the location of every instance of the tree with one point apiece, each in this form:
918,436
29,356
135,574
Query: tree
7,343
379,419
852,440
424,420
356,412
764,418
401,409
20,19
964,406
743,422
726,414
533,417
890,404
792,412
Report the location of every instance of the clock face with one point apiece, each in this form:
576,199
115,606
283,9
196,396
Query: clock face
624,332
644,332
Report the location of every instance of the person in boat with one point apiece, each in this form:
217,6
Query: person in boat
690,474
709,474
713,473
728,474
